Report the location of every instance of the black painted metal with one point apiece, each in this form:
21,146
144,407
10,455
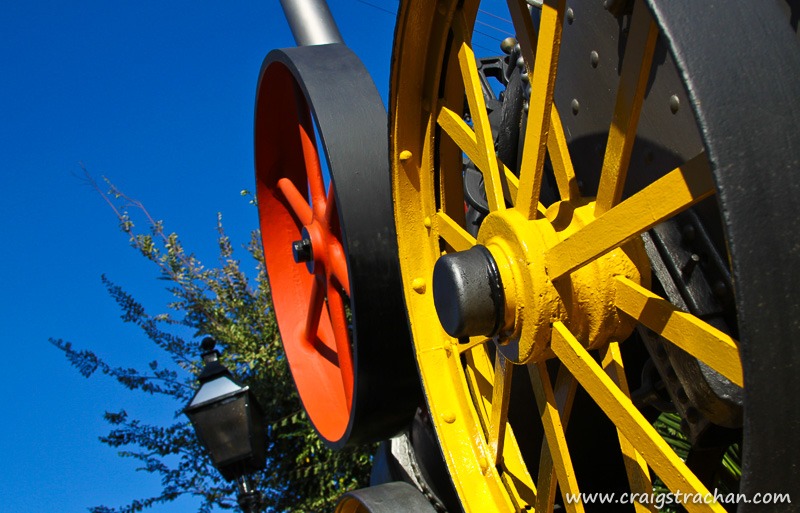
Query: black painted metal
433,470
692,270
591,56
468,293
222,410
351,122
741,67
402,458
302,251
398,497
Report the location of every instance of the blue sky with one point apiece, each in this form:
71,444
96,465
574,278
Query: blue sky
158,96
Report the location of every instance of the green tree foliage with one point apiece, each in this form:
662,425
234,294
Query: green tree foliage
221,302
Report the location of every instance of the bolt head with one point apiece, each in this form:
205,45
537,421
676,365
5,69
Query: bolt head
302,251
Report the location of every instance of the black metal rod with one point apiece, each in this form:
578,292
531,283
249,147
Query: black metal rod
249,499
311,22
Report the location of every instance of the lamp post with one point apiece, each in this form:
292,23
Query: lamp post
230,423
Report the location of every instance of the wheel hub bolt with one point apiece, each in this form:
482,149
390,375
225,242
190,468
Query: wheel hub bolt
302,251
468,293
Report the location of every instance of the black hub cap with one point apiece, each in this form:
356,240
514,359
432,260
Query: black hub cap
468,293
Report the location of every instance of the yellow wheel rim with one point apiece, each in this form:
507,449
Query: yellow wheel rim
575,276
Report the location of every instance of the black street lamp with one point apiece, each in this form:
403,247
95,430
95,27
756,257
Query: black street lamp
230,423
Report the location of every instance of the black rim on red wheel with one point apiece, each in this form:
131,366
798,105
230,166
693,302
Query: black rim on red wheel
330,250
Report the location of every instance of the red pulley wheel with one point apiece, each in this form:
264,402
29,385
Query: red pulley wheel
331,251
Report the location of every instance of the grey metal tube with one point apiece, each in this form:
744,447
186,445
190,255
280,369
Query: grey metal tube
311,22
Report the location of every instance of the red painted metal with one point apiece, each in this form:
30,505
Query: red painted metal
309,306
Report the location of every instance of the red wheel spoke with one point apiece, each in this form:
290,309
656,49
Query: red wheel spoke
337,260
342,338
331,212
338,265
314,311
297,201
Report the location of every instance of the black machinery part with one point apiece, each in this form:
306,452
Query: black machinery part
750,163
397,497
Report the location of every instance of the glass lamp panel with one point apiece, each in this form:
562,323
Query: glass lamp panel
224,428
213,389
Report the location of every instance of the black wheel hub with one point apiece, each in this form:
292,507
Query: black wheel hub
468,293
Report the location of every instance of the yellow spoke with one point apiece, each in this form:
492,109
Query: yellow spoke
630,95
628,420
513,187
542,80
473,343
566,180
635,466
523,28
554,434
452,233
460,132
481,377
698,338
512,182
455,127
676,191
484,141
501,394
464,137
564,395
556,140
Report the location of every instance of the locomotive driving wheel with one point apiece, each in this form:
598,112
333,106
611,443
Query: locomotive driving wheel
329,248
541,300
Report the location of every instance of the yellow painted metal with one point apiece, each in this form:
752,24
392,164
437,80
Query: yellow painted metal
566,181
630,96
452,233
667,196
542,79
564,392
483,131
556,140
480,375
350,505
554,434
695,336
531,299
501,394
472,343
534,301
560,266
635,466
461,133
466,139
423,28
629,421
524,30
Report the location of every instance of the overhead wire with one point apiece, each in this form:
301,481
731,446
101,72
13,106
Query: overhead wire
393,13
476,31
487,13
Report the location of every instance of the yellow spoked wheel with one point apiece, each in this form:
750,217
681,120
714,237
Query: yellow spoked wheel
532,295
